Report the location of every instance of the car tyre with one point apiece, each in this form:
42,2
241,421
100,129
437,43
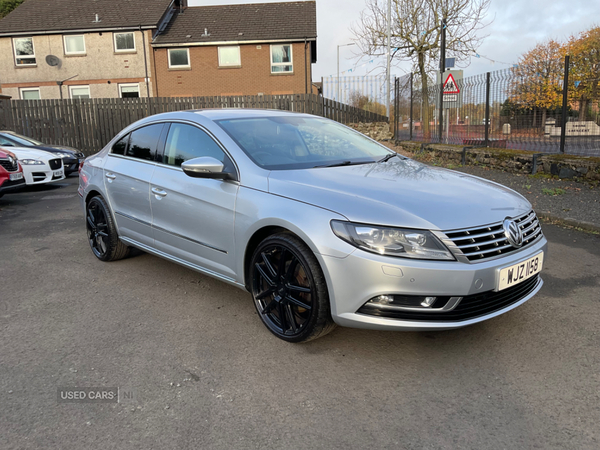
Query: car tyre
289,289
102,232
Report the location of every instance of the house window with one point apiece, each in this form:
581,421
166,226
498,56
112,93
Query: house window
179,57
30,93
79,91
124,42
24,51
74,45
230,56
129,90
281,58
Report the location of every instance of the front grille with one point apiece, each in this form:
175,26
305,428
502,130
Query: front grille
55,163
8,165
470,307
477,244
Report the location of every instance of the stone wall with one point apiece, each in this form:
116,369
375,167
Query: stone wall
379,131
516,161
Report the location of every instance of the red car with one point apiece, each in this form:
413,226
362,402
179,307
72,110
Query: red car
11,173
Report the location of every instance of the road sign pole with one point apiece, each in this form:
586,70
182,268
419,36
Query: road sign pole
563,119
442,69
487,109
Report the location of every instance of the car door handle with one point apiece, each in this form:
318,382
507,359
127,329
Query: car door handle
158,192
111,176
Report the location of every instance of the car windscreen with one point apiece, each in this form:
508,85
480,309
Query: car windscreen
283,143
23,140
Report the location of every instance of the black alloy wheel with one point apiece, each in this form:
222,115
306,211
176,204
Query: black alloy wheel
102,233
289,289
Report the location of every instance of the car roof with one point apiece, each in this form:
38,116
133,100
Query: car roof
241,113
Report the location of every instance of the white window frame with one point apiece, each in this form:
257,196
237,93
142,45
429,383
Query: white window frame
137,85
117,50
71,87
179,66
22,56
239,56
21,90
65,44
291,63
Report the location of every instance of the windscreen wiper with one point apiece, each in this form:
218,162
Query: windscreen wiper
387,157
344,163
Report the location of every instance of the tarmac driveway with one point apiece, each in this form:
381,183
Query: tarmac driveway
197,370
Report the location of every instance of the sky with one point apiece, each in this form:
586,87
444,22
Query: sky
516,26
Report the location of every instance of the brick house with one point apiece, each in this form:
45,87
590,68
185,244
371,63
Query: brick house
247,49
80,48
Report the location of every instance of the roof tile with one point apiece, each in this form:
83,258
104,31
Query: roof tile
58,15
258,21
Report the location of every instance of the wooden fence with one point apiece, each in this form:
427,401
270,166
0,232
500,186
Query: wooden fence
89,124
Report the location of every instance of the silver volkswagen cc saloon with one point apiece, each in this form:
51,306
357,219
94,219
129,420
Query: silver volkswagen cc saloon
321,224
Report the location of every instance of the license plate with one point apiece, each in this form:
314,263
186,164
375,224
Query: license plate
515,274
58,173
15,176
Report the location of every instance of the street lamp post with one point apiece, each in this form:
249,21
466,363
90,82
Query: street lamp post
339,91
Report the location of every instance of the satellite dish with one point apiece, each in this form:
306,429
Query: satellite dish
52,60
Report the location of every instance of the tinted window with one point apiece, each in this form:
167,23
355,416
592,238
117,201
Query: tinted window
144,142
120,146
186,142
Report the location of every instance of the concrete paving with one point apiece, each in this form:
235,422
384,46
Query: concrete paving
198,370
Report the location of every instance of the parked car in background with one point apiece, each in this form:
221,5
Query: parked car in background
39,166
11,173
71,156
321,224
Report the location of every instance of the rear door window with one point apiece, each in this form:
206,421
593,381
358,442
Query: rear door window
144,142
121,145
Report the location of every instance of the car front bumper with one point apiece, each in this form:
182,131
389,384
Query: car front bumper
38,174
361,276
12,186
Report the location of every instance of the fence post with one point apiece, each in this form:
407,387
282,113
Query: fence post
395,124
563,120
410,123
487,109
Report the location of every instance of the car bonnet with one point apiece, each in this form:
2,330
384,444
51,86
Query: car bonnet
401,192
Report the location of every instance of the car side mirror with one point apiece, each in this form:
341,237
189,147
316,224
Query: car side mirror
205,167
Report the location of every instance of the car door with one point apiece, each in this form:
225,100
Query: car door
127,173
192,218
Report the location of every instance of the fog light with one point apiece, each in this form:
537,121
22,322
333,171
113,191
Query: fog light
428,302
383,299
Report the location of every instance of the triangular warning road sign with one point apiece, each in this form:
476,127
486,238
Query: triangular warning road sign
450,86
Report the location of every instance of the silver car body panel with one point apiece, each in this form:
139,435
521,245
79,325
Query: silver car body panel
129,196
207,224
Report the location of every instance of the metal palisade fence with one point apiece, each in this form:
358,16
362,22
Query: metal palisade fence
89,124
547,112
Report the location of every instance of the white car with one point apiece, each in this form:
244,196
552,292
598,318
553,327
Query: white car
39,167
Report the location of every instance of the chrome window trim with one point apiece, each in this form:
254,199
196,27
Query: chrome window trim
131,158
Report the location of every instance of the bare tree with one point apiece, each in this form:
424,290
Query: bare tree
416,33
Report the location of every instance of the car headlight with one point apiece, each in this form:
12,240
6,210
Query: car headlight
388,241
64,155
32,162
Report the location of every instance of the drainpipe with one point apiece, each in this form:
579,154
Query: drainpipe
305,69
145,63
